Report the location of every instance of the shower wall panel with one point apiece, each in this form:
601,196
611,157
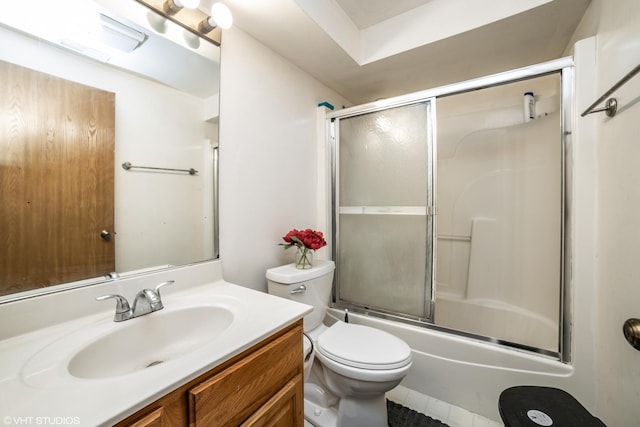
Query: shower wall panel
499,214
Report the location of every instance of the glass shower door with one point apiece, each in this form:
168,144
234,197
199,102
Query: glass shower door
384,222
501,242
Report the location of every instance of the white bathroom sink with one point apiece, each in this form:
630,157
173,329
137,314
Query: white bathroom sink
149,340
59,365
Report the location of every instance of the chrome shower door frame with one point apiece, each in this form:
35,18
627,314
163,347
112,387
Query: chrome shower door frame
563,66
428,211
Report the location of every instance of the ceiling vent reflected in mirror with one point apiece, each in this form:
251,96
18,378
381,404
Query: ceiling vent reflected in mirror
120,36
111,37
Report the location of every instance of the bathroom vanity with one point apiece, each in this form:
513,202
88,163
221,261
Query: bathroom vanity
216,354
261,386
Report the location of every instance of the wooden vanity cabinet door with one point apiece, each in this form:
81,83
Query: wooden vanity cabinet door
169,411
154,419
285,409
262,386
236,393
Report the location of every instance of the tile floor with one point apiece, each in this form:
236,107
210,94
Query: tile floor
448,414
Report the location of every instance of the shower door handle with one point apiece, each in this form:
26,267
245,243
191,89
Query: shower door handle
298,290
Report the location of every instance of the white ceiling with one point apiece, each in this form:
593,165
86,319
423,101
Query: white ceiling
365,13
371,49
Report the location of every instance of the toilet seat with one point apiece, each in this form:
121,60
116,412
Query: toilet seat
363,347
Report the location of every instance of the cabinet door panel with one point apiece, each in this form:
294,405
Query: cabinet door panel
153,419
230,397
285,409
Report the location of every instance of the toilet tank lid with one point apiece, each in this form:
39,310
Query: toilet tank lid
287,274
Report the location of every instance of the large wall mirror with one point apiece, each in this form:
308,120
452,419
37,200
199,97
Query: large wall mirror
87,88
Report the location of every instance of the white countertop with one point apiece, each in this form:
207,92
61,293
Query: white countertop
38,389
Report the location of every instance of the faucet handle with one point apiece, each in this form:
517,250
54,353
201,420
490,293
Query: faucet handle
157,288
123,310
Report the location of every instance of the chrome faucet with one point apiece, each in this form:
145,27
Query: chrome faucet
147,301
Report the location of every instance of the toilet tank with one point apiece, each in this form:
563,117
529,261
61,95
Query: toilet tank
311,286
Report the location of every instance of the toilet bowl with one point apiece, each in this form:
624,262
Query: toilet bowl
354,365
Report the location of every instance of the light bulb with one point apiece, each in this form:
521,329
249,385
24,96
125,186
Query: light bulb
221,14
174,6
189,4
220,17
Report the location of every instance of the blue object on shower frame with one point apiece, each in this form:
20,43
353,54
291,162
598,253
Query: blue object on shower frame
326,104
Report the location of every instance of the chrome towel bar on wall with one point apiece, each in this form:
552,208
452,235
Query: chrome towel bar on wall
611,106
128,165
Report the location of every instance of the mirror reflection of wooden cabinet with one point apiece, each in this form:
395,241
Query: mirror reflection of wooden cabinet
262,386
57,142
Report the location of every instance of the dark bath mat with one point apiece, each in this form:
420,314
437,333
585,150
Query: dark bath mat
400,416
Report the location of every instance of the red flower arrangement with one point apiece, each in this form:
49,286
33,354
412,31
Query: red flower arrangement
304,240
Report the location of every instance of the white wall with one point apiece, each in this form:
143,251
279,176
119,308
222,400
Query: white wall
268,157
616,200
159,217
618,203
267,186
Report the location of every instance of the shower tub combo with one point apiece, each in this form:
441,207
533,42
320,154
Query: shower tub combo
463,253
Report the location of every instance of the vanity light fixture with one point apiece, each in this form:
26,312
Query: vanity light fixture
200,23
174,6
220,17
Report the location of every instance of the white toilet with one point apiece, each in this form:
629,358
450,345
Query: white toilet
357,364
